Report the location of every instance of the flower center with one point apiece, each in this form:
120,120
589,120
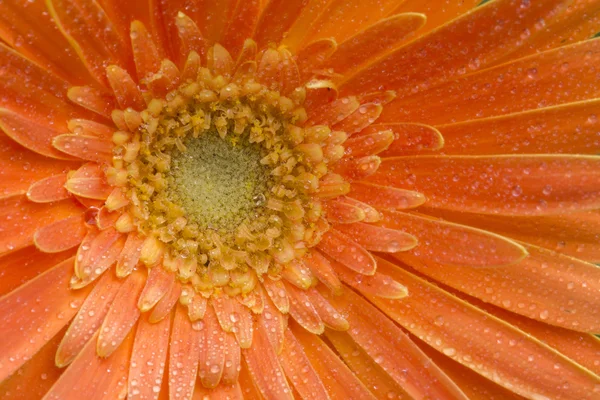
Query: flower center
220,183
224,180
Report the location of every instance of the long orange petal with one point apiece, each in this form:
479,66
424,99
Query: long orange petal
21,218
22,168
472,247
184,352
212,356
392,349
99,378
575,234
384,197
435,57
466,336
541,76
30,134
122,315
56,306
567,296
276,19
98,251
303,311
341,383
348,252
264,367
365,368
509,185
60,235
377,238
21,266
568,128
88,319
157,286
383,36
91,34
148,357
299,371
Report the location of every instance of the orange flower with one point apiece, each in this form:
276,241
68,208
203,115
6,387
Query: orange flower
299,199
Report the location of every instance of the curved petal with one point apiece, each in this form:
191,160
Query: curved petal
49,304
507,185
472,337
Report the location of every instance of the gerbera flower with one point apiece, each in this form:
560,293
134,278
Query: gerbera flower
299,198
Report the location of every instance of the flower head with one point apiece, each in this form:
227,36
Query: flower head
310,199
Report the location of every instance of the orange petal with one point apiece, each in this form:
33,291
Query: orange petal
221,392
489,92
148,357
356,169
371,214
106,219
49,304
145,52
21,218
264,368
49,189
276,291
318,94
297,274
566,128
436,15
364,116
321,268
303,311
157,286
340,382
183,355
307,15
376,238
465,336
567,295
36,376
130,255
346,251
334,18
329,315
98,251
87,127
240,26
341,212
379,285
31,135
219,61
393,350
408,138
233,358
510,185
122,315
88,148
243,325
365,368
91,34
212,357
574,234
88,319
89,181
125,89
369,144
21,266
92,99
333,112
386,198
435,57
475,386
165,305
299,370
471,247
60,235
382,37
100,378
582,348
275,323
224,308
38,38
191,38
275,20
212,18
22,168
